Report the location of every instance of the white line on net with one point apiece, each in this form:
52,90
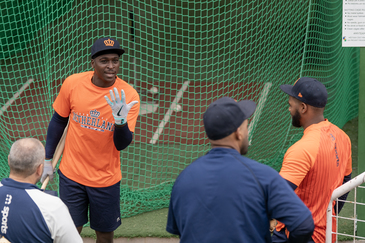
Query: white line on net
259,108
15,96
167,116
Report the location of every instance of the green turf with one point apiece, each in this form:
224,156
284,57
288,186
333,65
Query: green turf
347,226
152,224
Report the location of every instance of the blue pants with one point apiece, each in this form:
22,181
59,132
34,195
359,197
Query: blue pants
102,204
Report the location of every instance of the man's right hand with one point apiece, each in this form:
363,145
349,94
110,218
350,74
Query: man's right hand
47,170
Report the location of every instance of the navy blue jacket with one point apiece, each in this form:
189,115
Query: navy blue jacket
225,197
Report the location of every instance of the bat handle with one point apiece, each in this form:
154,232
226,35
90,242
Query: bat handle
57,155
45,182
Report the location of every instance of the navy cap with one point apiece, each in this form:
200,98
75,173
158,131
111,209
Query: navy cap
225,115
307,90
104,46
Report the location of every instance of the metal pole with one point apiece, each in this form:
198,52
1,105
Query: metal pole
361,141
338,192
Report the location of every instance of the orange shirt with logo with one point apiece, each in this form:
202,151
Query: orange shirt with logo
90,157
317,164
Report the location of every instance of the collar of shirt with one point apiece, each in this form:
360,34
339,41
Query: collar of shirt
221,150
21,185
316,126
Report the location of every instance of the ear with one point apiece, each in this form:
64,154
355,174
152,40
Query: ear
92,63
39,170
237,134
303,107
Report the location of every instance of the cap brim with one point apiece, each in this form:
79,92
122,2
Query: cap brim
119,51
287,88
248,107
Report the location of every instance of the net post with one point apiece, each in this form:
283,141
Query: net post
361,142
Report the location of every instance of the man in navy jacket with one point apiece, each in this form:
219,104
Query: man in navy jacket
225,197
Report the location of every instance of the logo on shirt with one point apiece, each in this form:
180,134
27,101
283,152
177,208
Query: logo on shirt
93,122
4,220
8,199
336,153
94,113
5,213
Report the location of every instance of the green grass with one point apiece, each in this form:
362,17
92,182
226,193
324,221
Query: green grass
150,224
347,226
153,224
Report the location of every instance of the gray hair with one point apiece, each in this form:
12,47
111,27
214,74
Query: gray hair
26,155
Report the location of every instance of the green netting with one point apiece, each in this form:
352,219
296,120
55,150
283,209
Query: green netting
192,52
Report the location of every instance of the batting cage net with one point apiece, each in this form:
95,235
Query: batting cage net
180,56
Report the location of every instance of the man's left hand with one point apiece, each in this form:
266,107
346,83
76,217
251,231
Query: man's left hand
119,107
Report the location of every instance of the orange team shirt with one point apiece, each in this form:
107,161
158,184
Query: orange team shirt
317,164
90,157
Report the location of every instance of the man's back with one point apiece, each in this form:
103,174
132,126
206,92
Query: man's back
30,215
224,197
317,164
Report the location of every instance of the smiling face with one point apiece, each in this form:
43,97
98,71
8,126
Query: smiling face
105,69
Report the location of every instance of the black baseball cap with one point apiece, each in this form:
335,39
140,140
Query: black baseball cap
225,115
307,90
105,45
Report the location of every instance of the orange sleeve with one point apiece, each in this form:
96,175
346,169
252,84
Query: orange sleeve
349,161
62,103
133,112
298,160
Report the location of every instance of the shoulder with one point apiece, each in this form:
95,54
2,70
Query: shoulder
45,202
261,171
340,132
77,78
255,165
242,164
308,144
128,89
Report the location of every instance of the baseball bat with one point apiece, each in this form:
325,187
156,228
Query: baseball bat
57,155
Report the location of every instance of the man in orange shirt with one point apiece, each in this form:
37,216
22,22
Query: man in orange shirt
99,127
320,161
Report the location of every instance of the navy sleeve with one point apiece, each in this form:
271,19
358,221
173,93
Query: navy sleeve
54,133
292,185
122,137
283,204
171,226
303,233
343,197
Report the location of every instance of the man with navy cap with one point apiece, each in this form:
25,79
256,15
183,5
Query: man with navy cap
103,111
225,197
320,161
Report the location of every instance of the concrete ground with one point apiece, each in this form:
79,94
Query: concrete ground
139,240
166,240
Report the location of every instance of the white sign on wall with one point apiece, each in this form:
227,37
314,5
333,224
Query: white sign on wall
353,23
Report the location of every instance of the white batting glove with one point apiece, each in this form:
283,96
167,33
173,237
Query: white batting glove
47,170
119,108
